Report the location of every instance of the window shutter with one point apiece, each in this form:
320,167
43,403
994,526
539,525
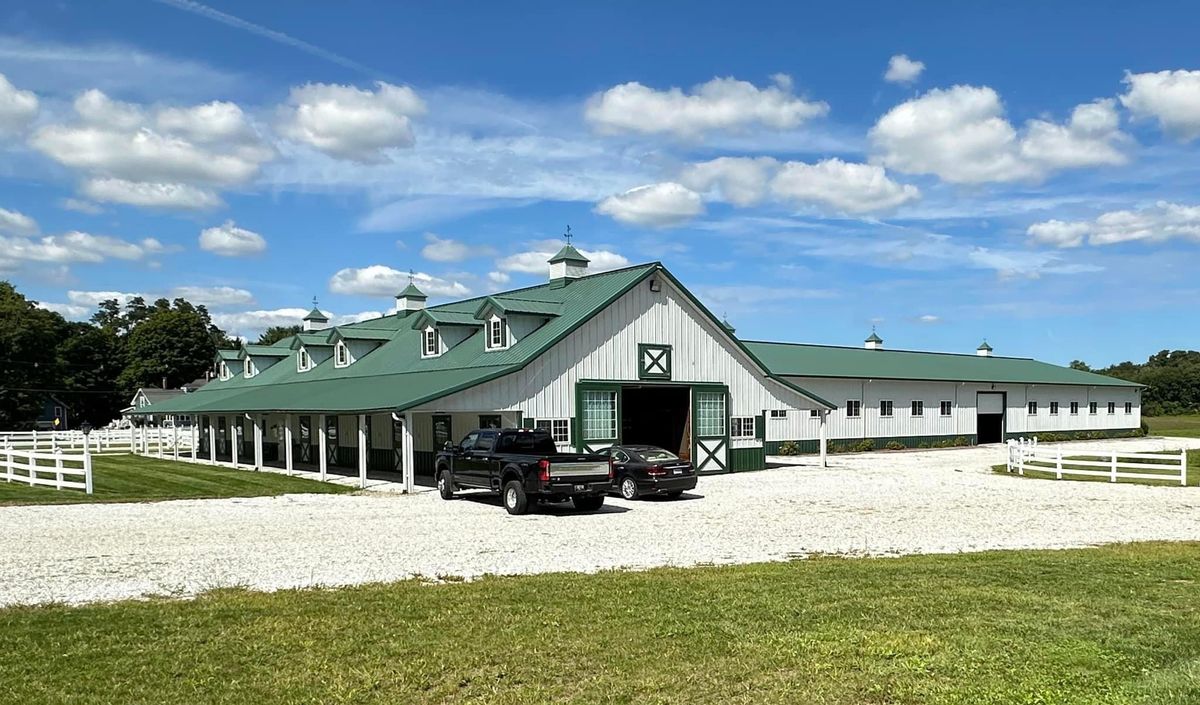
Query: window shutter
760,426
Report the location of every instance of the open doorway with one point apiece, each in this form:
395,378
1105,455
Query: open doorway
989,423
657,415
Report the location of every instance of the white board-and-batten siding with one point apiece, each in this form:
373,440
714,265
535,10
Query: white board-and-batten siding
606,348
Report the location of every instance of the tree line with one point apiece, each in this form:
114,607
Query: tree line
1172,379
95,367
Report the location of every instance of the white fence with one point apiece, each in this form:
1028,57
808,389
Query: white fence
48,469
146,441
1114,465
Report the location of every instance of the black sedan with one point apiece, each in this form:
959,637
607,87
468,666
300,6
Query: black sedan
646,470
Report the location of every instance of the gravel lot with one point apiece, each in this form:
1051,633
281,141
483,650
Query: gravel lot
871,504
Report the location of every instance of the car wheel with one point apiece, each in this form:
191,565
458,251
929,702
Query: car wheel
589,503
445,485
515,499
629,488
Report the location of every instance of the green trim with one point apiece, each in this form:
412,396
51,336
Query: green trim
656,356
581,444
744,459
723,444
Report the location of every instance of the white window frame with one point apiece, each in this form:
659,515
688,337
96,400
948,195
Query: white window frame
341,354
741,428
916,407
431,335
890,411
854,408
303,360
1074,408
711,401
559,429
1031,408
223,371
946,408
505,334
778,414
1128,407
1112,408
248,368
1054,408
610,421
814,413
1093,408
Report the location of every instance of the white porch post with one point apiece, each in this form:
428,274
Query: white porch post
212,442
175,442
287,442
159,437
236,446
258,442
195,435
824,415
362,450
407,453
322,463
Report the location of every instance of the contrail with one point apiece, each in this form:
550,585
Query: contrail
227,19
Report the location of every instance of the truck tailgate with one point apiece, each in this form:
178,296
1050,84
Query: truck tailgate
579,469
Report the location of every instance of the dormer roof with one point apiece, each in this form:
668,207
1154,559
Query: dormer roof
440,317
311,340
265,351
507,306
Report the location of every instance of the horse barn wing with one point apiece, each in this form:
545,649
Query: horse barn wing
624,356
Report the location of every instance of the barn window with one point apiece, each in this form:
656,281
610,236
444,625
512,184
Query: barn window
1129,407
710,414
341,354
886,408
497,334
559,429
248,367
430,346
1033,408
654,361
1074,408
303,361
814,413
1112,407
1054,408
778,413
947,408
853,408
223,371
741,427
1092,407
918,408
599,416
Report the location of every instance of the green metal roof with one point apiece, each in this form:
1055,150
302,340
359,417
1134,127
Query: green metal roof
316,315
984,346
229,355
316,339
445,318
412,292
508,304
268,350
569,254
351,333
873,338
800,360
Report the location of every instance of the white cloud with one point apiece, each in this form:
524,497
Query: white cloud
80,206
347,122
381,280
1159,223
71,312
247,322
720,104
902,69
1171,97
18,108
150,195
77,246
961,135
654,205
929,318
742,181
536,260
93,298
228,240
213,295
499,278
439,249
19,224
750,298
841,186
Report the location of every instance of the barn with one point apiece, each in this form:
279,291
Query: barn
628,355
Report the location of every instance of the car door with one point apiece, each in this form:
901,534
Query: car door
481,458
463,458
620,461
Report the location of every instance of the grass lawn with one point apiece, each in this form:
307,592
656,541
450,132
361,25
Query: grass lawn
1174,425
1193,471
1118,624
130,478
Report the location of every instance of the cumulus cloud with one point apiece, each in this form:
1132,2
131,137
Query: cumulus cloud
381,280
1170,97
499,278
742,181
929,318
213,295
902,69
77,246
18,224
71,312
444,249
18,108
960,134
1159,223
228,240
841,186
536,259
80,206
720,104
654,205
173,157
347,122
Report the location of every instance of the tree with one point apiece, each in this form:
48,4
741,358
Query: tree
29,371
1080,365
90,359
274,334
169,346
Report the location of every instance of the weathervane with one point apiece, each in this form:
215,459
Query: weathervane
314,301
568,235
411,275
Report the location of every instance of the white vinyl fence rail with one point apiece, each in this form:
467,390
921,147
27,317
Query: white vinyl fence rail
59,469
143,440
1025,454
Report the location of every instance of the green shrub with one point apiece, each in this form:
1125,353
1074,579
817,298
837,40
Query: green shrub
895,445
960,441
1145,428
789,448
864,446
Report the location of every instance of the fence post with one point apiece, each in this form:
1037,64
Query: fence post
58,467
1183,467
159,436
1058,464
8,463
1114,467
35,440
87,468
1021,457
175,442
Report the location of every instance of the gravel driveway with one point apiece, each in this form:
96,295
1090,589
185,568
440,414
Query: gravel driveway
872,504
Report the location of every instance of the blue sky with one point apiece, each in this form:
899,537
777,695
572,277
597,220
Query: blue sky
943,171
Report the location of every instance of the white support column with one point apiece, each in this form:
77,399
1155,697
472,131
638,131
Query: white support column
824,415
195,435
235,448
258,441
407,453
175,442
158,434
287,443
212,442
362,450
322,441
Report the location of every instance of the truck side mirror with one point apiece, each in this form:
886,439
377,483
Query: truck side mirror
450,447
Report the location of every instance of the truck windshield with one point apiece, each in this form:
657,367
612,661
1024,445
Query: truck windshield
530,443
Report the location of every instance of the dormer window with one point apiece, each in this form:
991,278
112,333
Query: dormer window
341,354
223,371
248,367
431,346
303,361
497,333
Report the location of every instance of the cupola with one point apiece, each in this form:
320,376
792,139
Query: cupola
411,299
568,264
873,341
315,320
984,350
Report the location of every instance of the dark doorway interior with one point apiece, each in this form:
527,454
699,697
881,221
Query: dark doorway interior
990,428
658,416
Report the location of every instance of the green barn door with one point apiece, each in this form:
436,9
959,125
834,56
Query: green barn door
598,410
710,428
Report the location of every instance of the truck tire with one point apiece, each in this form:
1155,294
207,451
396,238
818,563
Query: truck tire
514,497
445,485
589,503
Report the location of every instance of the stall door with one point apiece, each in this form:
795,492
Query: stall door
710,429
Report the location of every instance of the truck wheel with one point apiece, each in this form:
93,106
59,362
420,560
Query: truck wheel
589,503
515,499
629,488
445,485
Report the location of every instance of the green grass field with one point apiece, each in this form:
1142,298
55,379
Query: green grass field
1174,425
129,478
1193,472
1118,624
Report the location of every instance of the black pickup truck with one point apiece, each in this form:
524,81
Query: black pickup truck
522,465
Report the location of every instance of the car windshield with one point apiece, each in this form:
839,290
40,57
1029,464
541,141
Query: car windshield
658,455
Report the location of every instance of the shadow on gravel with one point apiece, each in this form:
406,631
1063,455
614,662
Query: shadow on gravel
562,509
